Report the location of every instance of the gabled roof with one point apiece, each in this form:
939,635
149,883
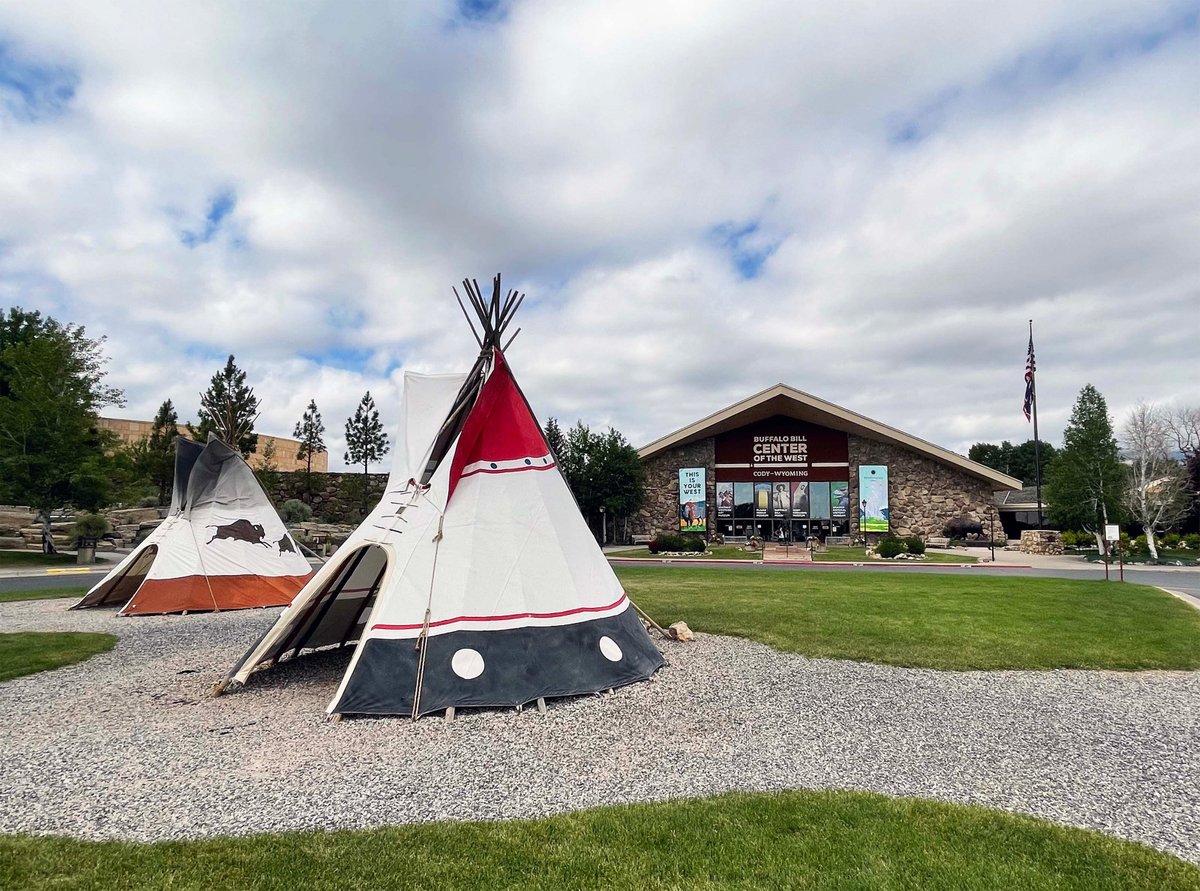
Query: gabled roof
792,403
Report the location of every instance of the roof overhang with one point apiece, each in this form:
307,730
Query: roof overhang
792,403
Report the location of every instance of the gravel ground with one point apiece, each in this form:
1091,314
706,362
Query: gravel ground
129,744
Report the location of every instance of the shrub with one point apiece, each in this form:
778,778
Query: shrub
1139,546
677,544
89,526
1192,541
148,501
915,544
295,511
1171,540
1070,538
889,546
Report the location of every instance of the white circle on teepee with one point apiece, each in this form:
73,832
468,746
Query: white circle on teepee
610,649
467,664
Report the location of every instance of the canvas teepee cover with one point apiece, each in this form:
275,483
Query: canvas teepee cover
222,545
482,586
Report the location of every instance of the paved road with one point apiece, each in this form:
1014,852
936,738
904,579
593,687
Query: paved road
58,580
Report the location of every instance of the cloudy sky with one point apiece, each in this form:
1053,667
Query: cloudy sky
866,201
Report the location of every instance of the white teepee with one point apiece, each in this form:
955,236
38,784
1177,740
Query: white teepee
476,581
222,545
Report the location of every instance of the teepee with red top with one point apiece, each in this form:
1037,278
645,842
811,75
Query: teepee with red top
475,581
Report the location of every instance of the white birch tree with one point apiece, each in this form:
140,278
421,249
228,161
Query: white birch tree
1156,491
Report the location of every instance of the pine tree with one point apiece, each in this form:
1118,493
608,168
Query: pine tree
310,430
365,440
160,450
1085,482
229,409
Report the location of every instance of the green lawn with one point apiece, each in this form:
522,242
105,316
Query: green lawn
32,559
845,840
957,622
714,552
859,555
28,652
75,591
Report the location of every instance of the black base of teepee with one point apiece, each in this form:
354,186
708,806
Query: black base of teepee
520,665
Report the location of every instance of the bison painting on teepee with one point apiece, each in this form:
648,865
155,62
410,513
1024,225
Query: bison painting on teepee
475,582
222,545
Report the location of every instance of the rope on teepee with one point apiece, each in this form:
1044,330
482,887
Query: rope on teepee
423,637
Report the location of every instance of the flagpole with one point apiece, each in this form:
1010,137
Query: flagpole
1037,446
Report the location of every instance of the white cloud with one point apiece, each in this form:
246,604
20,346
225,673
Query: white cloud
924,178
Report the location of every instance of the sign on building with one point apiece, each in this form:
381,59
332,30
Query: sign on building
873,498
693,514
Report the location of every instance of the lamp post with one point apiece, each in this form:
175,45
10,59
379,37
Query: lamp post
603,528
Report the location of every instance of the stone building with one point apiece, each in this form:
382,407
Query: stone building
286,450
783,462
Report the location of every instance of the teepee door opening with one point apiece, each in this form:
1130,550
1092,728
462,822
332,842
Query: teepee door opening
121,589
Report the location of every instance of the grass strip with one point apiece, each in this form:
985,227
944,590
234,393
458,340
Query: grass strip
23,559
28,652
75,591
925,620
804,840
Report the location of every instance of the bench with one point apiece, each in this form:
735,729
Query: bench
837,541
642,539
937,542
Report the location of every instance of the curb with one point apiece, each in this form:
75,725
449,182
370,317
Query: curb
818,563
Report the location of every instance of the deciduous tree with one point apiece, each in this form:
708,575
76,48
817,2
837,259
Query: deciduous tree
1156,487
51,386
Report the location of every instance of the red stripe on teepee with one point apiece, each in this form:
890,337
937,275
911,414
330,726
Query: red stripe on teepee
500,426
556,615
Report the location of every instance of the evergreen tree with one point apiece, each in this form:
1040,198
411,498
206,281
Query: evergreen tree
229,409
365,440
51,386
310,430
160,450
1085,482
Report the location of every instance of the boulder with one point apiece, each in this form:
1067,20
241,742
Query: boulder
133,515
680,631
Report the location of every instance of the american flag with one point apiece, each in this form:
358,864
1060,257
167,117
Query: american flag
1030,368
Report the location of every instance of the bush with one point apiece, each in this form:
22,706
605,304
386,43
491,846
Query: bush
1139,546
889,546
89,527
1192,541
295,511
1171,540
677,544
148,501
915,544
1070,538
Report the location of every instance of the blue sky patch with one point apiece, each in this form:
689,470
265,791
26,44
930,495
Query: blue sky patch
1031,74
749,247
31,91
482,11
220,207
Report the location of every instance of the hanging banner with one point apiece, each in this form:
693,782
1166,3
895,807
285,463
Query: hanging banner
743,500
873,498
724,500
781,499
818,501
800,505
762,499
693,516
839,500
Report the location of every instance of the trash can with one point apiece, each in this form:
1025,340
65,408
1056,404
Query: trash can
85,552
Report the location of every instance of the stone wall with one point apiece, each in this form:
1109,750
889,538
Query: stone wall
660,512
335,496
1041,541
923,494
